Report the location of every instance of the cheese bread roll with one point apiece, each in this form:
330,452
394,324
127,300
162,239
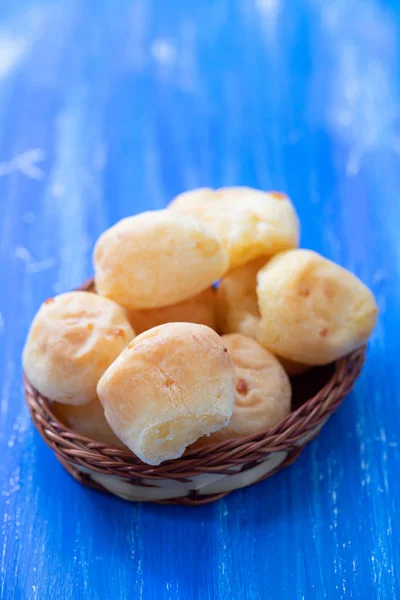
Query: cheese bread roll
263,391
312,310
170,386
250,222
157,258
73,339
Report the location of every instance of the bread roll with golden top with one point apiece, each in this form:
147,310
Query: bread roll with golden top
312,310
73,339
198,309
157,259
263,391
237,308
170,386
249,222
87,420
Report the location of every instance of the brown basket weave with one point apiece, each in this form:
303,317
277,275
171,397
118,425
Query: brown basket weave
206,474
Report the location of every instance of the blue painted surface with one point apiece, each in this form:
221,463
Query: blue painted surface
110,108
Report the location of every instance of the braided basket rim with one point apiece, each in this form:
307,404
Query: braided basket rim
215,458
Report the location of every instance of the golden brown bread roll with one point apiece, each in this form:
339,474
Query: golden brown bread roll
156,259
312,310
249,222
237,307
74,337
170,386
198,309
87,420
263,391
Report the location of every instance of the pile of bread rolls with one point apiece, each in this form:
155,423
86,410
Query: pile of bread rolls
201,314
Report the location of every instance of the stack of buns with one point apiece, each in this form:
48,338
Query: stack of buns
202,313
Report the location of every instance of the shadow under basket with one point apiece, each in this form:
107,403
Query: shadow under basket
209,473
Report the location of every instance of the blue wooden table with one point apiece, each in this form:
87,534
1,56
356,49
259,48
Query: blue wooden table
110,108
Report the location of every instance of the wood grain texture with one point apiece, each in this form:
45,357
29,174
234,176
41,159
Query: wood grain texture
110,108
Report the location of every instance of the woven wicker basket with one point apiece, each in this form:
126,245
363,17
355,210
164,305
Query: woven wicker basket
206,474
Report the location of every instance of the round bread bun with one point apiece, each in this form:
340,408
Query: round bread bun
237,308
156,259
87,420
170,386
263,391
312,310
73,339
198,309
249,222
